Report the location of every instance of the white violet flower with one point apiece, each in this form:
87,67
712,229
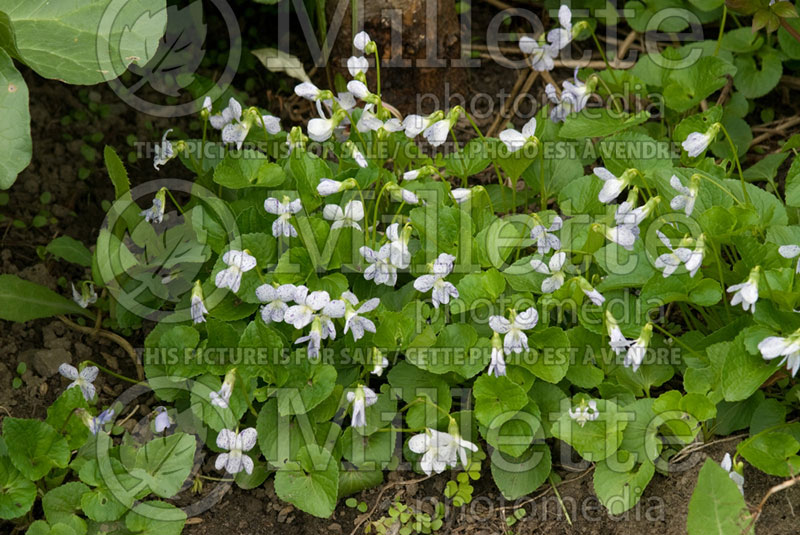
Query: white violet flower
669,262
561,37
585,412
308,304
163,152
236,460
353,319
96,423
555,269
276,299
162,421
82,379
613,185
696,143
349,217
637,350
790,251
198,307
441,290
362,41
736,477
222,397
284,209
545,239
497,366
541,54
86,296
773,347
515,140
515,340
357,65
746,292
238,262
439,450
617,340
361,398
686,196
231,113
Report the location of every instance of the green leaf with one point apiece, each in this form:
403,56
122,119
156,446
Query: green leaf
741,372
15,135
450,352
17,493
103,38
71,250
717,506
311,483
309,385
34,447
21,300
155,518
640,437
62,503
375,450
164,463
599,123
116,172
246,169
756,79
773,453
687,87
279,61
619,484
497,399
352,481
470,160
112,495
476,289
549,356
40,527
517,477
307,170
597,439
59,416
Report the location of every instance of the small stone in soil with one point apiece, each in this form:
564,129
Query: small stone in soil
284,512
46,361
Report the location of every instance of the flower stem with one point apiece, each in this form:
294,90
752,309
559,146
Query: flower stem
738,163
603,55
203,143
109,372
721,29
375,214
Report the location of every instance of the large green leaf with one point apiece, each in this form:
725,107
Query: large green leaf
17,492
71,250
34,447
21,300
311,483
164,463
85,42
155,518
62,503
598,122
619,485
497,400
717,507
595,440
15,132
516,477
246,169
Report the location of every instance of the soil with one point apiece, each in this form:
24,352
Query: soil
76,210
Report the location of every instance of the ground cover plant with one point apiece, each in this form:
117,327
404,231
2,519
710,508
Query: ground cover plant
328,303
